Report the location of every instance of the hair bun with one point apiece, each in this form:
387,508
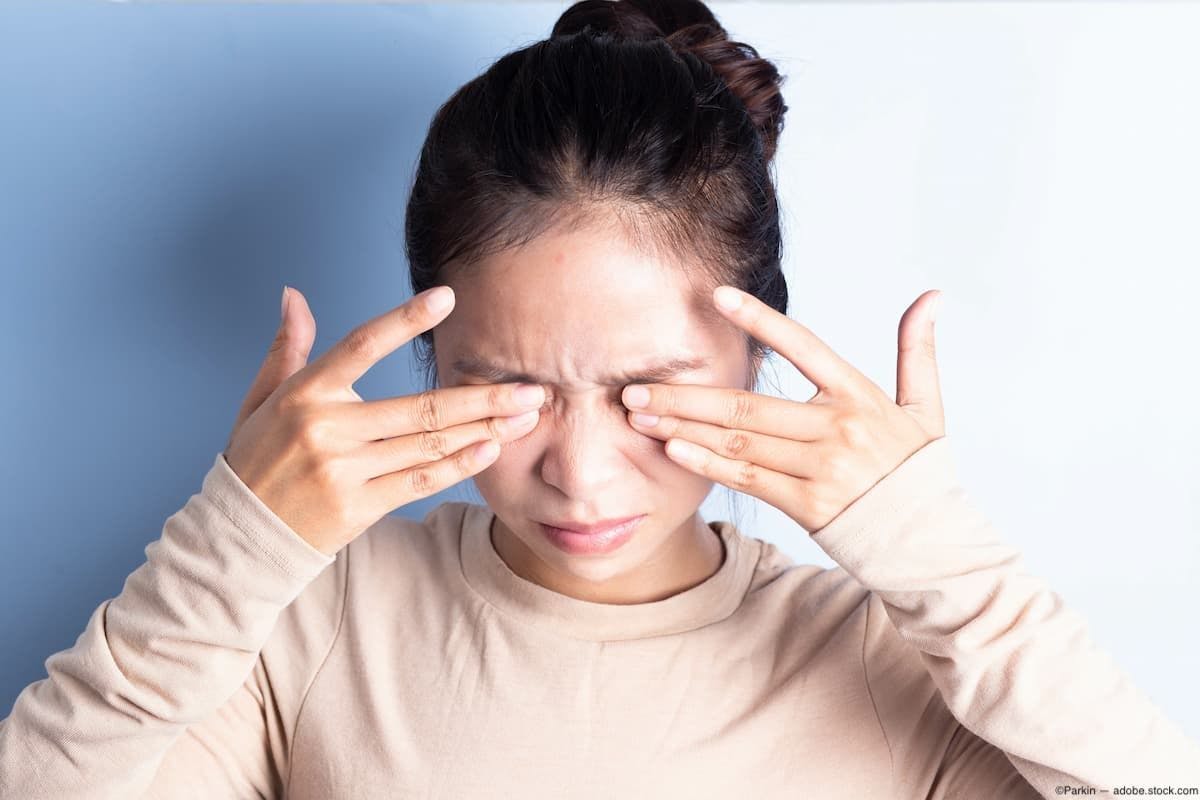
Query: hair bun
689,26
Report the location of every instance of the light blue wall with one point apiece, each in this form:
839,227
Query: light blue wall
164,170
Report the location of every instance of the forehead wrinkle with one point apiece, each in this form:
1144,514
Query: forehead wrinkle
480,367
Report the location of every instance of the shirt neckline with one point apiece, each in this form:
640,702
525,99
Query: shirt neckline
712,600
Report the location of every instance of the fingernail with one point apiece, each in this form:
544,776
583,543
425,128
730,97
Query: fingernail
439,299
682,451
636,396
937,304
530,395
728,298
283,304
485,451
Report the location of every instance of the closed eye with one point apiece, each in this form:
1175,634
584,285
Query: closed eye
616,397
616,400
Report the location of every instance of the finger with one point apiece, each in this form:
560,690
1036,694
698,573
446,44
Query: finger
287,354
425,447
367,344
733,408
773,487
433,410
785,456
828,371
918,389
388,492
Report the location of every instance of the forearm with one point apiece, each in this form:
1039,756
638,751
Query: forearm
178,641
1013,663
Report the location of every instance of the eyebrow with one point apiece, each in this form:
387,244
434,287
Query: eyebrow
480,367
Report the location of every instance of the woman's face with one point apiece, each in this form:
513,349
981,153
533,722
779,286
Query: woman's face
573,312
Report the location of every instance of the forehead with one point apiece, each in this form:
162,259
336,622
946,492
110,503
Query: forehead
582,307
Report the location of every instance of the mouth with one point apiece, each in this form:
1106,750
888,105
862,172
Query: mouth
596,540
589,527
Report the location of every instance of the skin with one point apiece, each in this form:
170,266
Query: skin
313,450
569,309
810,460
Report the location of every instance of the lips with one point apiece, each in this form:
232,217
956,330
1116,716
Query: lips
596,543
593,527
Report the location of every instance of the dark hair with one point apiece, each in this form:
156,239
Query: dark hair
639,113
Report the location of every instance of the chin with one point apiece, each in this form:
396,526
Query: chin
598,571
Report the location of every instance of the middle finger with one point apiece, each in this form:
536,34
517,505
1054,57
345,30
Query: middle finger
436,409
785,456
385,456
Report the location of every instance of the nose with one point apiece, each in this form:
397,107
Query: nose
583,455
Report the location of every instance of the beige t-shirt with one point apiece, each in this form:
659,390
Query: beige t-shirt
240,662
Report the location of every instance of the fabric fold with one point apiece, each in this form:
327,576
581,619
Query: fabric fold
176,643
1012,661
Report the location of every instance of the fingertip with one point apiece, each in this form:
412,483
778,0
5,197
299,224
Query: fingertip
485,452
439,299
727,297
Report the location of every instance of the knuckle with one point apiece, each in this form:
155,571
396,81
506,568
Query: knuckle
665,399
329,473
278,343
746,477
426,411
290,400
420,481
432,445
500,397
739,410
413,311
854,432
362,344
309,428
497,428
736,443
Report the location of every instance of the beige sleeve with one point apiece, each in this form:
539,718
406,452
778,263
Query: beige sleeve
934,756
1012,663
181,641
243,749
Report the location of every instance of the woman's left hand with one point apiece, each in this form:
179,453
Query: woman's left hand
813,459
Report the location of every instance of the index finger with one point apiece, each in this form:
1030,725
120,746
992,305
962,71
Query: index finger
828,371
369,343
737,409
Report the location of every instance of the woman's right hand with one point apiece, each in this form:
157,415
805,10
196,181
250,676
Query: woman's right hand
330,464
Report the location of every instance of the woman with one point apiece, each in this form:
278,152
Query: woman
582,211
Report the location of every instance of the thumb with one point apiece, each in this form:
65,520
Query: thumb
918,390
293,342
287,354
